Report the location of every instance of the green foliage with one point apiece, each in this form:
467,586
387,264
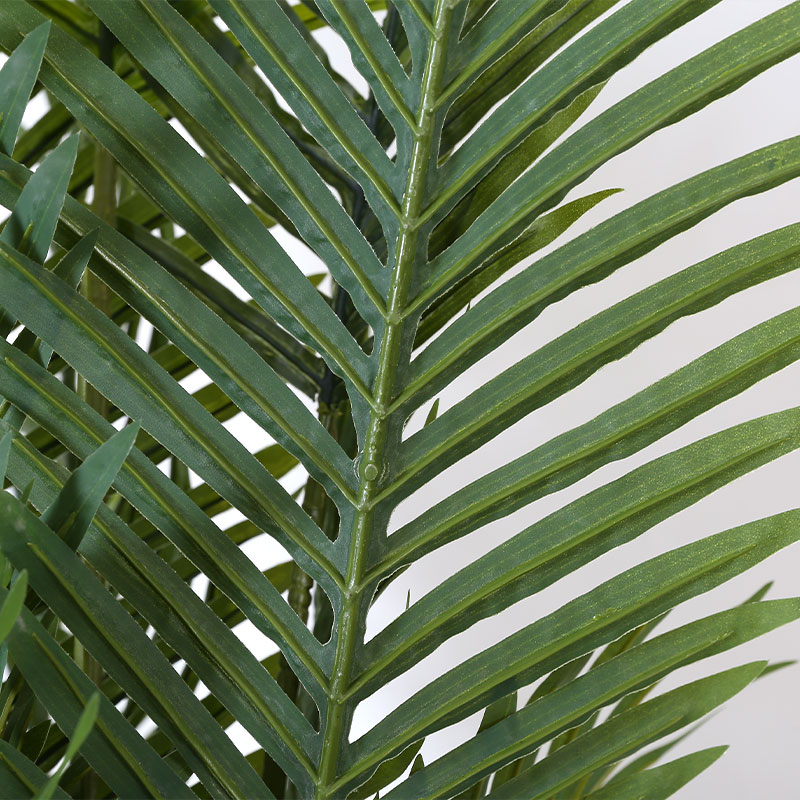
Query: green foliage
441,207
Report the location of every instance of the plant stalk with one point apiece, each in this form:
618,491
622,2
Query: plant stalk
391,354
104,205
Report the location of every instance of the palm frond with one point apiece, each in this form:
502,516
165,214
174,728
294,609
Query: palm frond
442,207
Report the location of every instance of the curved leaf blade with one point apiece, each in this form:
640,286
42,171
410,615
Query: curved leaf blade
17,79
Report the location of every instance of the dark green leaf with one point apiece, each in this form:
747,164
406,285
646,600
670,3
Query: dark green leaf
625,734
17,79
660,782
72,511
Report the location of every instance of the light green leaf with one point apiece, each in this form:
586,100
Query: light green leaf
82,730
388,771
13,603
540,233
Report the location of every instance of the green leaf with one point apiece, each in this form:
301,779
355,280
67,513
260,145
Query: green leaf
688,88
212,93
17,79
388,771
626,733
540,233
506,172
186,624
32,223
180,180
433,412
585,63
576,534
291,360
213,134
569,359
70,269
497,711
595,254
237,370
279,50
114,748
508,72
616,433
72,511
5,448
20,777
131,380
80,600
43,135
374,58
650,757
169,510
82,730
578,698
660,782
12,605
602,614
493,35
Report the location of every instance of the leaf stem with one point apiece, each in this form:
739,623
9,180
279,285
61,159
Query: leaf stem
389,352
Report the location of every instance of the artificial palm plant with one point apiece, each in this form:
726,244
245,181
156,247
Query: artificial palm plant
124,594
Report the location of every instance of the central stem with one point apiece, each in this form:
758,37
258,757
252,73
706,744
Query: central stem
389,354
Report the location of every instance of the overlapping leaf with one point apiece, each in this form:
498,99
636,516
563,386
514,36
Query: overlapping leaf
481,104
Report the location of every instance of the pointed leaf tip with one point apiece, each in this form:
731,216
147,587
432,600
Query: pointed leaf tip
660,782
17,79
433,413
72,511
32,223
73,263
